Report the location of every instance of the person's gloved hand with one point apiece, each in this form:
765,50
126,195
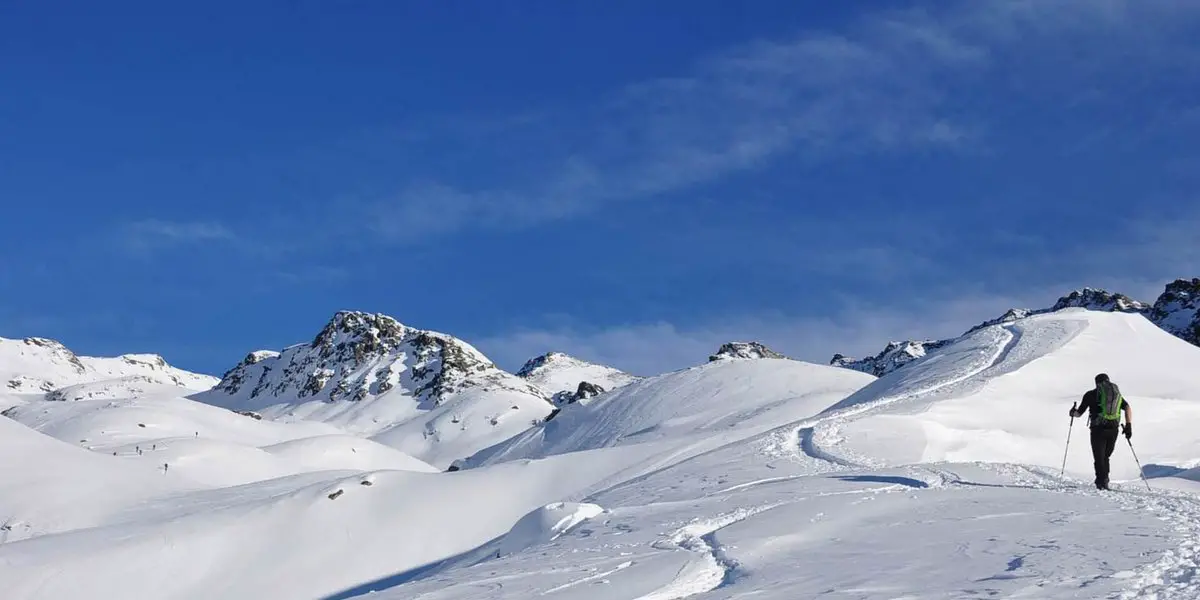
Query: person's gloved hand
1072,412
1128,430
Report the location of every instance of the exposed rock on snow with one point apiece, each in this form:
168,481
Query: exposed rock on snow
560,375
894,356
1177,310
744,351
585,391
1099,300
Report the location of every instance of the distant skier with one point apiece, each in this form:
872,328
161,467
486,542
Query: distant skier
1105,403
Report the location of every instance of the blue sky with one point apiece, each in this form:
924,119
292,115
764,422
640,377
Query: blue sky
634,183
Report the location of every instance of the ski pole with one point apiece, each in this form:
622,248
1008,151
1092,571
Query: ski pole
1139,464
1069,428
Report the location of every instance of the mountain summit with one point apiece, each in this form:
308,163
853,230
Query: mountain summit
567,379
427,393
743,351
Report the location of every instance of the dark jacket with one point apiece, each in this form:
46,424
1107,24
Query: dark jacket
1091,402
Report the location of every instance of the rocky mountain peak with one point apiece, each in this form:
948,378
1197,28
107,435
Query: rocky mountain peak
532,365
743,350
1177,310
1100,300
364,333
359,355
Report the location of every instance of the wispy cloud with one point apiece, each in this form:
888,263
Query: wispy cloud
891,81
149,235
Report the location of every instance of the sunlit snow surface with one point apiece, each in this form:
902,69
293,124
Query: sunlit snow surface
766,479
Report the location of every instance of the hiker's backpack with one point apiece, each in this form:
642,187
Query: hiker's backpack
1108,396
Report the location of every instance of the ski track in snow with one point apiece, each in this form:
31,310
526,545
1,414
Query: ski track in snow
714,567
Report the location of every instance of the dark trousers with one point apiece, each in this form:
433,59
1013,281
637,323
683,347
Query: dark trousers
1104,440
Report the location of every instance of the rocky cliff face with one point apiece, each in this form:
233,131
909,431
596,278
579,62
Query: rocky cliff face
743,351
1175,311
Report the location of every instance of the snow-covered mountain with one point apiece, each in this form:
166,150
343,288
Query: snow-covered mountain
567,379
1175,311
425,393
33,368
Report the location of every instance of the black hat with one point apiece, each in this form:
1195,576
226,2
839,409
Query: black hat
1101,378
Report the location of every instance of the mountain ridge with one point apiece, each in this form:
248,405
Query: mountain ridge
1177,310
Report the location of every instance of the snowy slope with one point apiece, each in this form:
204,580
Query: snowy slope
308,536
719,401
559,376
33,367
425,393
770,479
205,445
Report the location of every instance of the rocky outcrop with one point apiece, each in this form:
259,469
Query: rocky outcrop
1098,300
585,391
893,356
743,351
